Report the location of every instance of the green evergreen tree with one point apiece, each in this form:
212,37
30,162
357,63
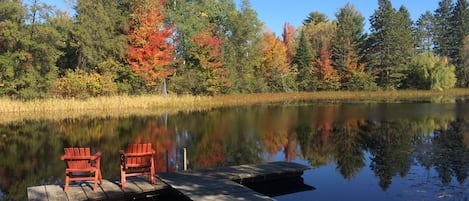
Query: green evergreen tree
390,44
406,35
463,70
442,28
349,37
315,18
423,33
460,29
302,61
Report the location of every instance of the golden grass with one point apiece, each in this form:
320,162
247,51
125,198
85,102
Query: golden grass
11,110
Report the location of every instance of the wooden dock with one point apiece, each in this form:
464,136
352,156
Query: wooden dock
109,190
223,183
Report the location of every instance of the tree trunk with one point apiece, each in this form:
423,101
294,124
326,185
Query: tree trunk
164,91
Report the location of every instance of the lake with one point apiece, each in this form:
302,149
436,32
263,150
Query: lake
358,150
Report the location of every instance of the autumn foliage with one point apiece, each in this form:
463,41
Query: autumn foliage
328,78
150,50
275,63
208,54
288,39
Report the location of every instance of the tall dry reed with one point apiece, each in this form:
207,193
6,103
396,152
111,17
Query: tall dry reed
47,108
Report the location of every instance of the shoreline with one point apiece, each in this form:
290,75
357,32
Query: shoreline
117,106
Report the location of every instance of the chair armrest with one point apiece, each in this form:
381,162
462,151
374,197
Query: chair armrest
140,154
97,156
64,157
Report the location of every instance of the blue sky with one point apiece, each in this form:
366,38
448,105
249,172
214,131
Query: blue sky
274,13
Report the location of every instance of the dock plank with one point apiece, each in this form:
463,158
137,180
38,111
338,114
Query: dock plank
55,193
144,185
75,192
92,195
209,188
112,190
241,172
37,193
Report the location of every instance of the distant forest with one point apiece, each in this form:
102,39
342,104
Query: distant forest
213,47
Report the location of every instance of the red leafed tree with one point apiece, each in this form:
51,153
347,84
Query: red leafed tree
328,78
287,36
151,50
208,54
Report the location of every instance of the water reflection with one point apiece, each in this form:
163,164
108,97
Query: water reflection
394,137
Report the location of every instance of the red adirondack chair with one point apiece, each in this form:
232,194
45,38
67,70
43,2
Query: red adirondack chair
81,165
138,160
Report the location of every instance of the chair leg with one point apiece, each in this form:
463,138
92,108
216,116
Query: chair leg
67,180
152,171
123,178
152,176
96,177
100,177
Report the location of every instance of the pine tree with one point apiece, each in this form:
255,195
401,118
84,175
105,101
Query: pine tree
349,37
460,29
302,61
463,70
423,33
315,18
442,28
406,35
390,44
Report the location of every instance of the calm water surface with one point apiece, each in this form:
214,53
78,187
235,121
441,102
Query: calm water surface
358,151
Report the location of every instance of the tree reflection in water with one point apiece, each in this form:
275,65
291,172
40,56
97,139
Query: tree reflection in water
430,136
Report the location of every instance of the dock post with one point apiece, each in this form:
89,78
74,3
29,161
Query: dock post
167,160
184,162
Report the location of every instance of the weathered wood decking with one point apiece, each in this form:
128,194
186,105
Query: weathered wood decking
108,190
208,184
225,183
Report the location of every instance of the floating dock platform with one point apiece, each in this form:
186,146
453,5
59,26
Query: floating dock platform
225,183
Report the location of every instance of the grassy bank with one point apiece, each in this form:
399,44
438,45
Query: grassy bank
153,104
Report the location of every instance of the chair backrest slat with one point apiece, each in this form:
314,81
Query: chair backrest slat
147,148
138,148
78,152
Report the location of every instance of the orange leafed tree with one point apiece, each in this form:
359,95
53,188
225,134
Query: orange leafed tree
151,50
209,55
327,75
275,65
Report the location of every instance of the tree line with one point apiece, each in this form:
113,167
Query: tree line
212,47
